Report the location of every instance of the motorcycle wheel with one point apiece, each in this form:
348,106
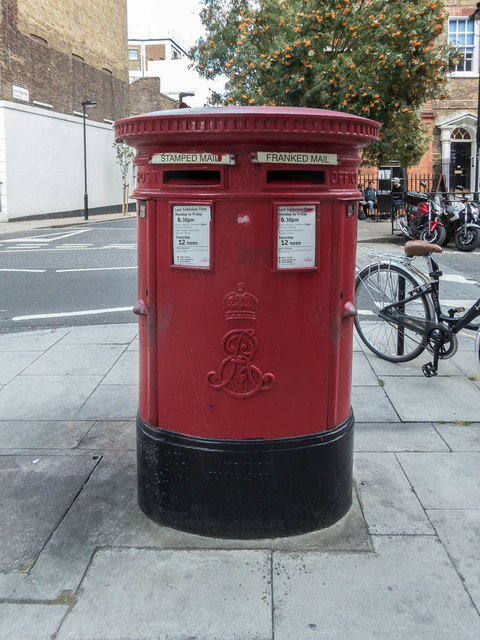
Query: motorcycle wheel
435,236
468,239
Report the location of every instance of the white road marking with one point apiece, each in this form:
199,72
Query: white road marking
25,270
69,314
64,248
93,269
29,246
120,246
453,253
451,277
457,303
50,237
444,303
32,250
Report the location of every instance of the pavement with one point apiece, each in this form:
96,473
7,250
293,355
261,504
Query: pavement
13,226
80,561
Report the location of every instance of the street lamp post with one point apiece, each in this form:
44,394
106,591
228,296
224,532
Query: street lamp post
181,96
476,16
85,104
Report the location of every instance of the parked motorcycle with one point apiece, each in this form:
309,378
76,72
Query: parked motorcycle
422,217
462,223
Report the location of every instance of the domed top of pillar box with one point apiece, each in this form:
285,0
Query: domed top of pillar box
244,128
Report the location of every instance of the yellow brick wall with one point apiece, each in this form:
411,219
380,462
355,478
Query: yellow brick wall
95,30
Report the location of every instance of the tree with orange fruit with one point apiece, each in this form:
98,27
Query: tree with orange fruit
372,58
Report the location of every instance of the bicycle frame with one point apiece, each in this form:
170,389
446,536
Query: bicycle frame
454,324
432,288
445,328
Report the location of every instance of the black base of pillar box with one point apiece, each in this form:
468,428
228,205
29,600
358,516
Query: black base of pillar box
245,488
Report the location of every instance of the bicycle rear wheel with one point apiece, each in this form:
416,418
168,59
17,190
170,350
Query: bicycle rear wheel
402,223
377,286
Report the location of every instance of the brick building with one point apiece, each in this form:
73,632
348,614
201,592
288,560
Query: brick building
455,120
146,88
167,60
452,122
53,56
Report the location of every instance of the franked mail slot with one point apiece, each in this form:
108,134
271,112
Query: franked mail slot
192,177
278,177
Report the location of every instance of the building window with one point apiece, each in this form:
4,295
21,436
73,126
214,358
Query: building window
460,134
461,35
133,54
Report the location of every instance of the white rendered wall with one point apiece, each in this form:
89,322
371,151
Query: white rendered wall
3,168
43,170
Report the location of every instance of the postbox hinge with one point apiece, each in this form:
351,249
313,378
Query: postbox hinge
140,309
349,310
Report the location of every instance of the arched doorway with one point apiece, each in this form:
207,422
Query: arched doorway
457,139
460,158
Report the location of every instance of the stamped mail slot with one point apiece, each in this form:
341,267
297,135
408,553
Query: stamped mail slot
192,177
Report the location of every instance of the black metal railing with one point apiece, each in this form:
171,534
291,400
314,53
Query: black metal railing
413,182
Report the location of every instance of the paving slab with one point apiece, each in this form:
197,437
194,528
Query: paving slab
14,362
356,344
134,345
459,531
9,582
362,373
125,369
50,397
408,589
106,513
444,480
396,437
388,502
461,437
433,399
30,621
103,334
467,362
31,340
75,359
108,435
371,404
146,594
111,402
384,368
42,434
35,495
466,342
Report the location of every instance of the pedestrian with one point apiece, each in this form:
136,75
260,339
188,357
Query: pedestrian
397,195
362,205
370,196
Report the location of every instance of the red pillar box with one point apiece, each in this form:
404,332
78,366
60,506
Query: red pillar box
246,257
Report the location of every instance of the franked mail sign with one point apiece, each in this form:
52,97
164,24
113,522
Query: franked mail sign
296,157
192,158
296,237
191,235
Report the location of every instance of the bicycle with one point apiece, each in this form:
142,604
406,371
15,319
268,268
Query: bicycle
398,309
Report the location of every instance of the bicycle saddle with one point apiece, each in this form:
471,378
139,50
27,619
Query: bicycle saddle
421,248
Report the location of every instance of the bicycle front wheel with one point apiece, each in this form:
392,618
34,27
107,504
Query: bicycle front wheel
378,286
